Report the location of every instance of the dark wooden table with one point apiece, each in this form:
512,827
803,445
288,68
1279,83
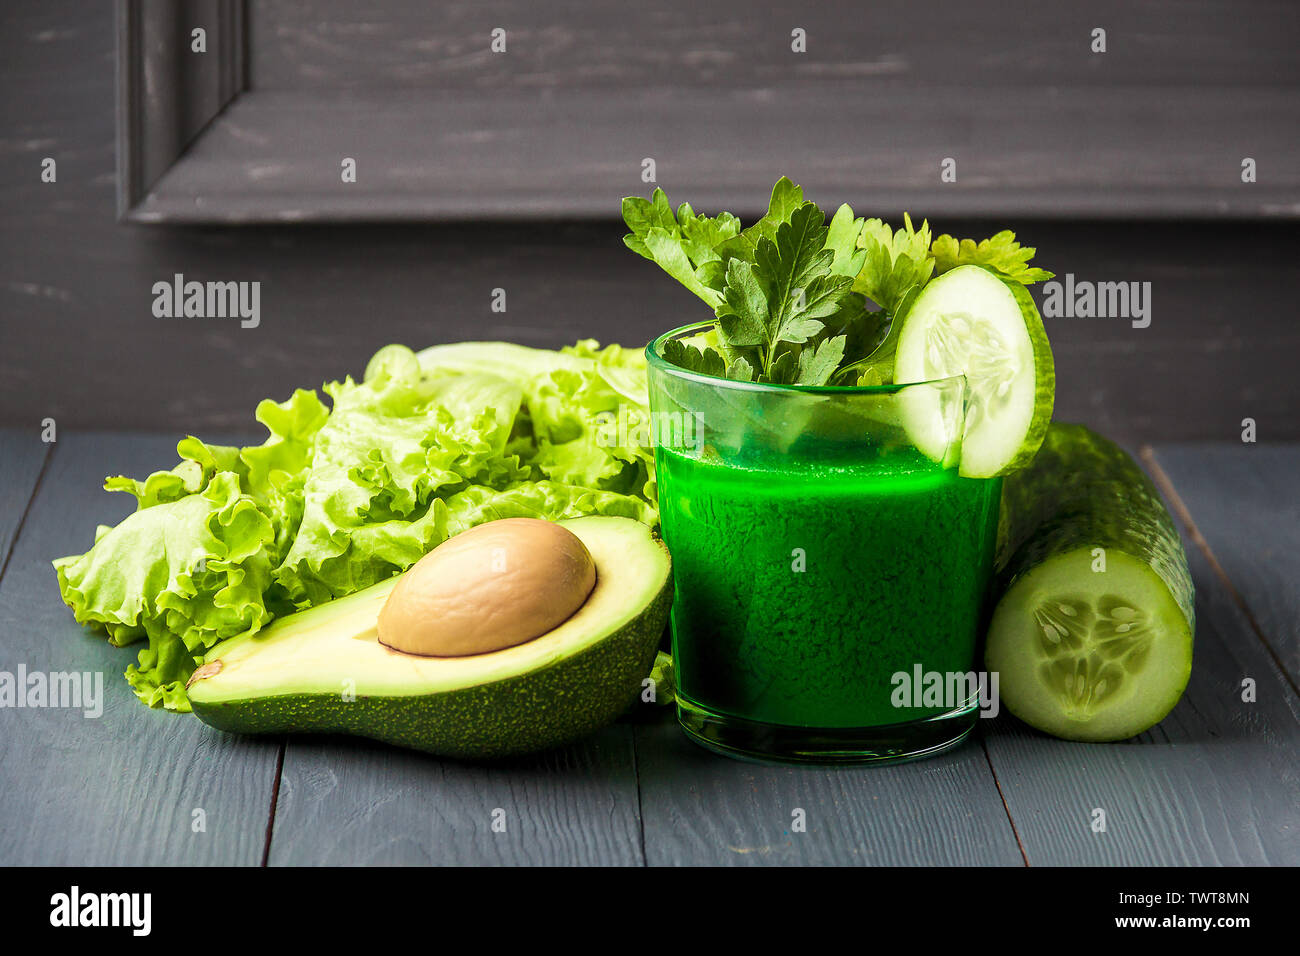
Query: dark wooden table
1217,783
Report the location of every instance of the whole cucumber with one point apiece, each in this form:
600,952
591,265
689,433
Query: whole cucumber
1092,631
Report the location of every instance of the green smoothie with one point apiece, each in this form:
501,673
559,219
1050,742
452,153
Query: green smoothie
803,587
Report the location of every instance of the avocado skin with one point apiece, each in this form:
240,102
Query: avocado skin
535,711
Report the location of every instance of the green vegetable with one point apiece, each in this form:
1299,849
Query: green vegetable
665,679
782,290
790,293
195,563
973,321
338,499
324,669
1001,252
1092,634
895,262
788,296
681,244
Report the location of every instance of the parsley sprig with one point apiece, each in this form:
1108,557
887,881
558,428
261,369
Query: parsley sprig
790,292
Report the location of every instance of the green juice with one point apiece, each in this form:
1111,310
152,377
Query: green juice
802,589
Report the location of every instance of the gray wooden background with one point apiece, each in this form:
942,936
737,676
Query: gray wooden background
860,102
80,343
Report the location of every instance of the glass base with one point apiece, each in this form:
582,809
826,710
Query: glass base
836,746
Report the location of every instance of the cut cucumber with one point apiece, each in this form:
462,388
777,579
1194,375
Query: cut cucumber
975,322
1092,634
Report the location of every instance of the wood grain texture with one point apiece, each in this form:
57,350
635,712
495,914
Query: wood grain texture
22,456
442,127
1219,340
347,802
1245,502
274,156
700,809
1216,783
82,345
410,44
121,788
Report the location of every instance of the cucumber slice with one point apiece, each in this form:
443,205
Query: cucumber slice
975,322
1092,634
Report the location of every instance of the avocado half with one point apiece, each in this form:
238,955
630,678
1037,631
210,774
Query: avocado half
324,670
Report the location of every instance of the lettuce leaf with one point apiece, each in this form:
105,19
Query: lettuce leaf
337,499
184,574
390,452
584,409
193,565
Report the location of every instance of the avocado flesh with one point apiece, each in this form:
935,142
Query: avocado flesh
294,675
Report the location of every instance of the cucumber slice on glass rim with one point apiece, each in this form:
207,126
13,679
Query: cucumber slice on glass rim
975,322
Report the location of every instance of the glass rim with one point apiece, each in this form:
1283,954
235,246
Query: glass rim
656,360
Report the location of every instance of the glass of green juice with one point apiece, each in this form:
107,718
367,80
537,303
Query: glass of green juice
826,567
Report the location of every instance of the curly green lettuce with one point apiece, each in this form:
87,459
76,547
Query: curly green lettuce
337,499
193,565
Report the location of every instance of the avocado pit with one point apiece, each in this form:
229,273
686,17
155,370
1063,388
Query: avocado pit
495,586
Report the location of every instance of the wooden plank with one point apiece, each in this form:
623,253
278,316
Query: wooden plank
274,156
345,801
1215,783
22,456
1122,380
699,808
411,44
122,788
557,124
1245,501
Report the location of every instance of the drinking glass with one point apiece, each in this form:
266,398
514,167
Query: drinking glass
831,565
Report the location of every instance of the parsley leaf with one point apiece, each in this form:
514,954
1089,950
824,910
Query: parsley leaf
1001,252
687,356
783,298
786,198
642,215
743,316
796,267
863,331
790,291
842,239
680,243
816,366
895,261
741,370
702,234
